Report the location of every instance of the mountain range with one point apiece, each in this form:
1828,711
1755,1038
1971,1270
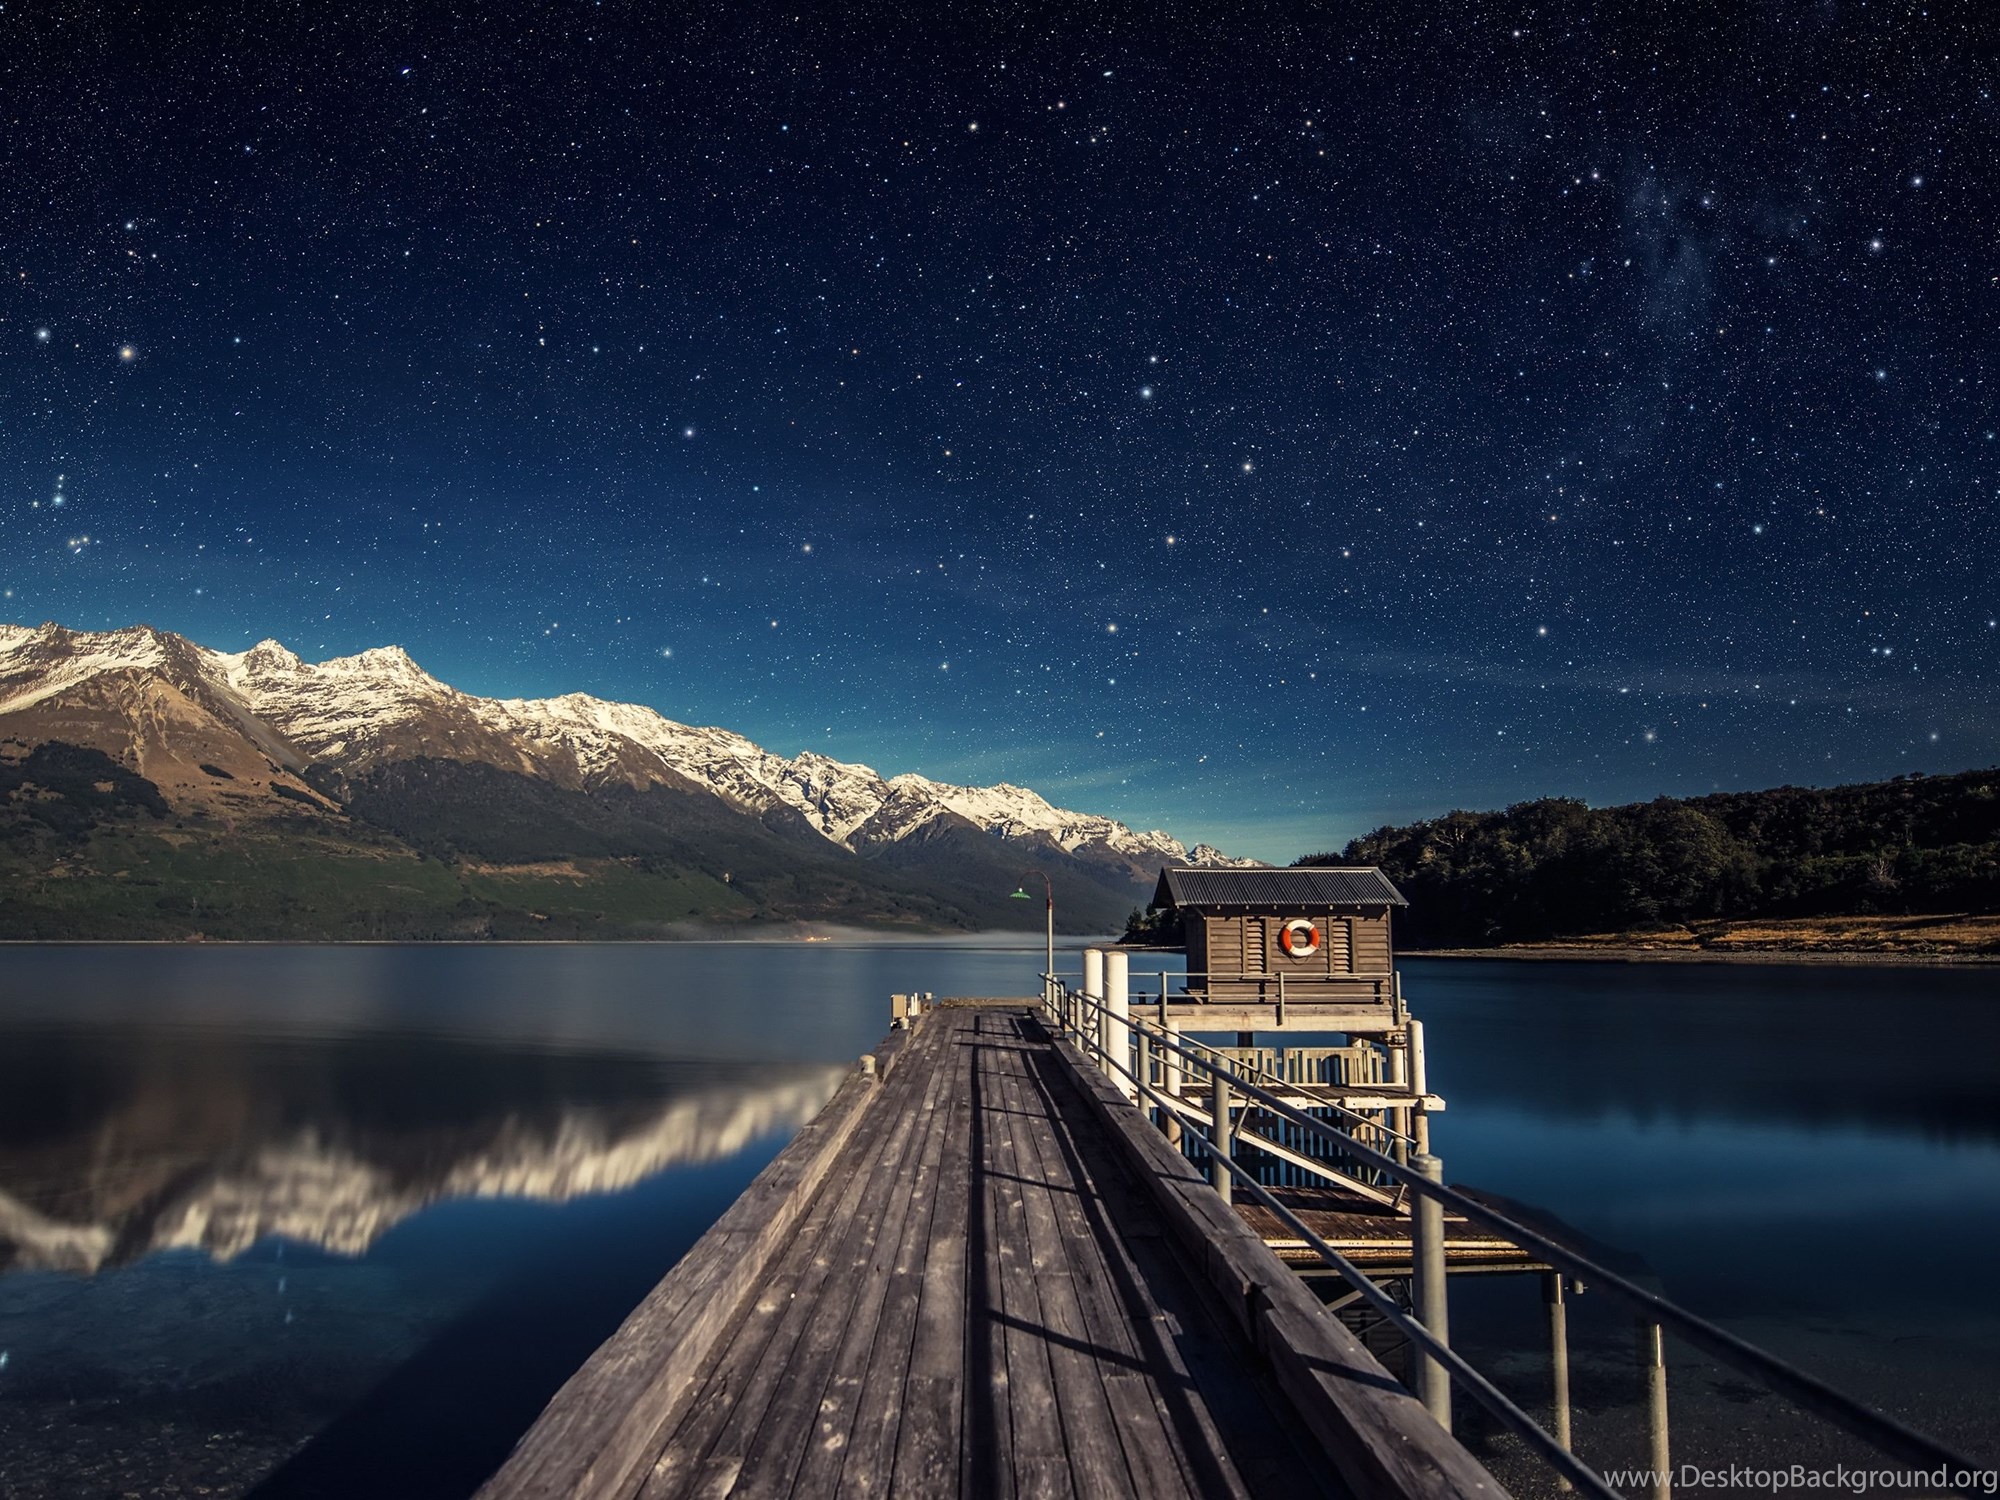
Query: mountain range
157,788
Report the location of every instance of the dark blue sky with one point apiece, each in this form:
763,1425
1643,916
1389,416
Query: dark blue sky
1262,427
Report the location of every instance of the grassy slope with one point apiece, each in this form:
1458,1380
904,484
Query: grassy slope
128,881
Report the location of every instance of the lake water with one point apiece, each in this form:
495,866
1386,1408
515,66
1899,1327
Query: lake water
308,1221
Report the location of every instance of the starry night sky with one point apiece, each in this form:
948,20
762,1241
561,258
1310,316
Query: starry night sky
1261,427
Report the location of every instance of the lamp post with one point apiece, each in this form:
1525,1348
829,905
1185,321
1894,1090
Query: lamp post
1021,894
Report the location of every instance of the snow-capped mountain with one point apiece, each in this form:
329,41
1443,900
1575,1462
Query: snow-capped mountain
149,692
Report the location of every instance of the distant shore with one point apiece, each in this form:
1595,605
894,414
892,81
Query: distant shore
1950,939
1561,953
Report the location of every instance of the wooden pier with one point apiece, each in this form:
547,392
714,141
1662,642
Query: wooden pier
980,1272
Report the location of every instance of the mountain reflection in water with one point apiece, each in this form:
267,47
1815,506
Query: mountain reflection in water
215,1144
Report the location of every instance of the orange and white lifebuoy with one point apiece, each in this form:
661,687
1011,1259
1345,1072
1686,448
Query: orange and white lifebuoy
1299,938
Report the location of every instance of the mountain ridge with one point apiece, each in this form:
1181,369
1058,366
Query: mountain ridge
255,741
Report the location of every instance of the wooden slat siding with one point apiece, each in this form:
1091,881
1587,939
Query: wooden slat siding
1386,1446
913,1195
927,1452
1371,945
881,1403
759,1449
600,1432
1088,1435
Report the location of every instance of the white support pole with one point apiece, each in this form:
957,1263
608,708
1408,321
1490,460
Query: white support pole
1087,1021
1431,1302
1399,1118
1170,1069
1420,1085
1221,1137
1117,1018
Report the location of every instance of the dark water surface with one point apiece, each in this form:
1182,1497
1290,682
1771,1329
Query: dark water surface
1809,1155
318,1221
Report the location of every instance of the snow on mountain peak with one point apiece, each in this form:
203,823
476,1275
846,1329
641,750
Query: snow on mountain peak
354,711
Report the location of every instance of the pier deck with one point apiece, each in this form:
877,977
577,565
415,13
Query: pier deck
971,1277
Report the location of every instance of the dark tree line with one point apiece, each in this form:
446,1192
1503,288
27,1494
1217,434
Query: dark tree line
1556,868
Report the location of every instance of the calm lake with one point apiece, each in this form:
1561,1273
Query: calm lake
336,1221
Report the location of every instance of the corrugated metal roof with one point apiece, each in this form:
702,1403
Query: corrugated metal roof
1275,890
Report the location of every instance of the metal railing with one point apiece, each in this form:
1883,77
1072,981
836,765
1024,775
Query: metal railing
1126,1048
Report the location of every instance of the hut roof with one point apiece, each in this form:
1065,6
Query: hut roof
1277,890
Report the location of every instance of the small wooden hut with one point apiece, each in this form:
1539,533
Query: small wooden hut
1315,934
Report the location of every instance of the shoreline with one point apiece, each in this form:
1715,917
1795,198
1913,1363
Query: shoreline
1565,953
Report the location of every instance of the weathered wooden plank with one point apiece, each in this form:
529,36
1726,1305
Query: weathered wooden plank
1386,1446
736,1376
1088,1436
987,1468
927,1458
882,1398
768,1444
600,1432
912,1196
1098,1450
695,1458
1171,1356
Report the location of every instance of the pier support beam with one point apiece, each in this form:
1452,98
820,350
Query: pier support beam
1653,1359
1553,1295
1427,1290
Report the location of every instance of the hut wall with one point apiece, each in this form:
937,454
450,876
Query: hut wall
1240,950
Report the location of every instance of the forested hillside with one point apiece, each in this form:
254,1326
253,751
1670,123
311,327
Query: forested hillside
1557,868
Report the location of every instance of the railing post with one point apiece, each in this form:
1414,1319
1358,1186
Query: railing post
1142,1066
1170,1081
1427,1286
1552,1293
1221,1137
1117,1020
1653,1357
